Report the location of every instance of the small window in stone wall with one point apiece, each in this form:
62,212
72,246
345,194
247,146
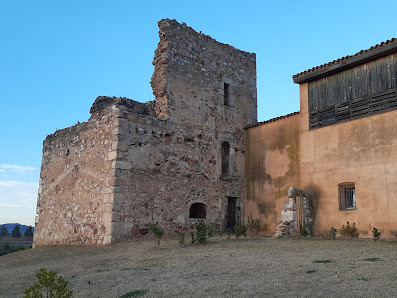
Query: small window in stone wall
347,196
225,158
226,94
198,210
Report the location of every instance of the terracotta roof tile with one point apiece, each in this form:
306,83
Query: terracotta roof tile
393,40
272,120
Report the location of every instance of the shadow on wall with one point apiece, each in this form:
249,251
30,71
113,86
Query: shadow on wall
315,191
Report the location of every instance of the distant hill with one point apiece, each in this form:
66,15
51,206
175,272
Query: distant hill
10,227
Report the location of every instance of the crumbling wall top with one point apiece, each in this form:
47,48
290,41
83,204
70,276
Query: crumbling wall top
101,102
191,69
172,28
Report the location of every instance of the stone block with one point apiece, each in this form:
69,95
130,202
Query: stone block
107,239
123,165
289,205
107,217
287,215
112,155
116,207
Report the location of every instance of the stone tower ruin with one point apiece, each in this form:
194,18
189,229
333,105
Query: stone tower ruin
175,160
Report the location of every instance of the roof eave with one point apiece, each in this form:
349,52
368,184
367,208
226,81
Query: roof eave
344,64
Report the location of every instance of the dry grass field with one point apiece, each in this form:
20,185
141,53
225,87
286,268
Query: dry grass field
260,267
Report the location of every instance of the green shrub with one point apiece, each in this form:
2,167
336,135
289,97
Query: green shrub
48,285
372,259
6,248
253,225
333,232
181,238
192,237
322,261
157,231
201,230
376,234
240,230
302,231
210,230
229,233
348,230
219,230
134,293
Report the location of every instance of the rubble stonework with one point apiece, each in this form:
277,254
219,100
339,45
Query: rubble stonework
136,163
292,218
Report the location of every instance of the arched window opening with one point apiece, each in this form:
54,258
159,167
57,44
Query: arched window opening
198,210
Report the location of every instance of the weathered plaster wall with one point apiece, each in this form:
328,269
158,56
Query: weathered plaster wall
272,166
362,151
76,191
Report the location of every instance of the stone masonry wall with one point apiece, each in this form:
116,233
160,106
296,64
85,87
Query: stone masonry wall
190,71
161,169
136,163
166,163
76,184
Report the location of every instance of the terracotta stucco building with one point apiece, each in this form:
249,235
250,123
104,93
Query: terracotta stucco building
341,147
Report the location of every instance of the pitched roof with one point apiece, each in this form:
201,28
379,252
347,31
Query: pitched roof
377,51
272,120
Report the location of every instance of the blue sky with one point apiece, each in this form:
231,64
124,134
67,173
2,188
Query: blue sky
56,57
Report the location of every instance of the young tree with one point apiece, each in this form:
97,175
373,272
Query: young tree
3,231
48,285
29,232
16,232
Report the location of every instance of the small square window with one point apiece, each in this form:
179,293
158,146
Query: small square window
347,196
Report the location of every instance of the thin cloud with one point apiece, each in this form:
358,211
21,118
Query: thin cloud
16,168
18,193
12,184
16,205
18,201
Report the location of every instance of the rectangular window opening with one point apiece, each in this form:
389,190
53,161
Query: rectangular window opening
226,89
347,196
225,158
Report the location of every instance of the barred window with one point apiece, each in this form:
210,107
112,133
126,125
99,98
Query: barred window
347,196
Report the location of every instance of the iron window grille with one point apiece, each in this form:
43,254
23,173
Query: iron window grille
347,196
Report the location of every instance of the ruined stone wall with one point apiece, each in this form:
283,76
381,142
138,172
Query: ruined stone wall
167,163
136,163
190,71
162,168
76,184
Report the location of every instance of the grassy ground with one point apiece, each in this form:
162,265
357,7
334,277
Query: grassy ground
223,268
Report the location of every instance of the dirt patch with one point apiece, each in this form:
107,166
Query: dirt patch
258,267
